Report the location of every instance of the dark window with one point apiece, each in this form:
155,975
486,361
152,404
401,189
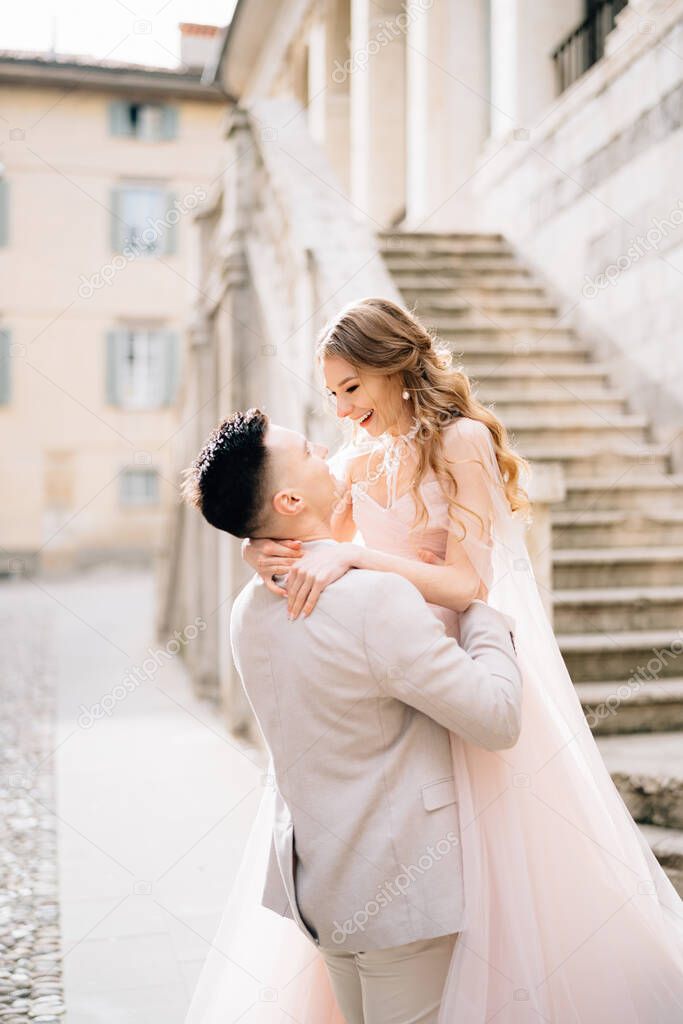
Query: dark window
585,45
151,122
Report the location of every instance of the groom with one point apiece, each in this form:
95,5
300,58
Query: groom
355,704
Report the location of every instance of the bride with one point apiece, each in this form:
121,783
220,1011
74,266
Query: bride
569,918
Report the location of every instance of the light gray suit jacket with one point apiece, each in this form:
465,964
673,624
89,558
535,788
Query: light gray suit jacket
355,704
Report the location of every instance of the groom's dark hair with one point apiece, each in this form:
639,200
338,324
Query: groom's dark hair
227,480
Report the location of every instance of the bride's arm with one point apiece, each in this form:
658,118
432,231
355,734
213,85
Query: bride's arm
453,584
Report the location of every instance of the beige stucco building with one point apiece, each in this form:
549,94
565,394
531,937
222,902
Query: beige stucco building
103,165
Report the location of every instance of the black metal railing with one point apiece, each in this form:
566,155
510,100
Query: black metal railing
585,45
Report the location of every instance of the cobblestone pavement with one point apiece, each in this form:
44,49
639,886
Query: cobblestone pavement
31,987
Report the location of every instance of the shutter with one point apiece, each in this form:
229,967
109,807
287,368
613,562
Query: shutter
152,490
171,366
5,375
119,118
170,240
4,211
118,224
169,122
115,342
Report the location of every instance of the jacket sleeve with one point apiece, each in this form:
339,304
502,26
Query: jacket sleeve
473,688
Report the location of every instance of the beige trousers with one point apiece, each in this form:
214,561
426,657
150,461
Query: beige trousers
401,985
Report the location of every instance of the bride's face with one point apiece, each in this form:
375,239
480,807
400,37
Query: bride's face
372,401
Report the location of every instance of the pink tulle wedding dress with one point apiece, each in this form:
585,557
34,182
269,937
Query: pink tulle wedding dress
569,917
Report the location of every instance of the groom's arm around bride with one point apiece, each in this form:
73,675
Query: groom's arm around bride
472,688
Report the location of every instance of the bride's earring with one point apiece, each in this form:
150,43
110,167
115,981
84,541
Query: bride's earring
405,394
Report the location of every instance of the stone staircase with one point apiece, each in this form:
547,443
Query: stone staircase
618,535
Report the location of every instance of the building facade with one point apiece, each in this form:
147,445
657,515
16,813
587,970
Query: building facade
103,166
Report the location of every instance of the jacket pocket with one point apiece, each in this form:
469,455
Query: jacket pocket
439,793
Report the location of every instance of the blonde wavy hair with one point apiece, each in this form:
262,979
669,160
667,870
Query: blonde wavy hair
380,338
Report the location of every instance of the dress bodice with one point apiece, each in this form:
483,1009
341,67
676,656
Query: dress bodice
394,530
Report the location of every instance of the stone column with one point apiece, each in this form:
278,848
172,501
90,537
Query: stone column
338,92
524,35
447,111
205,568
378,133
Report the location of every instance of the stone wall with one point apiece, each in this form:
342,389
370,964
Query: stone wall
593,197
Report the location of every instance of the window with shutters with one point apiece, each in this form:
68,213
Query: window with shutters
140,219
142,367
149,122
139,487
4,212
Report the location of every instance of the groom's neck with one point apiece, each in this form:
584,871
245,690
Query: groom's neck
323,532
315,529
320,531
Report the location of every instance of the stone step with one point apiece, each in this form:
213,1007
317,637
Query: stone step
585,429
647,769
516,341
497,349
470,317
609,567
452,284
460,272
632,491
433,241
638,704
601,656
430,304
472,263
610,460
582,417
546,381
619,608
532,415
667,846
509,402
620,527
495,297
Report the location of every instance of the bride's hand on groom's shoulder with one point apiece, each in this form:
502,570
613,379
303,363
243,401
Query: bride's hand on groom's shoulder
271,558
314,571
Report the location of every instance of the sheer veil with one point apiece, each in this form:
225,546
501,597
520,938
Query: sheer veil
569,917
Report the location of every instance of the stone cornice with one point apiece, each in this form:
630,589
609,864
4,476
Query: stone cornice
255,44
163,83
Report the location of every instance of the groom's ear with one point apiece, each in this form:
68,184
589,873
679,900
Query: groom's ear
287,503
